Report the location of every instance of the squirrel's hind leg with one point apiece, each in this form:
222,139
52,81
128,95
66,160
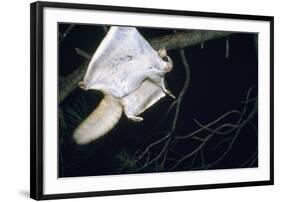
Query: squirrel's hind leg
135,118
130,115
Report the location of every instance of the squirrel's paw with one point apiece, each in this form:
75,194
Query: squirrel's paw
135,118
82,85
170,94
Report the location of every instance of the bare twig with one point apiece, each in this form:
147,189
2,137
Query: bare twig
227,48
232,112
241,126
67,31
186,39
160,148
83,53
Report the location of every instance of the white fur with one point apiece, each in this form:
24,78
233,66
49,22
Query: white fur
100,121
131,75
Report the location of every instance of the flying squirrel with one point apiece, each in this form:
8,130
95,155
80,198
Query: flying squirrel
130,74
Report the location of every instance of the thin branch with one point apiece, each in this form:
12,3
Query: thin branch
221,142
242,125
161,149
71,82
83,54
227,48
209,124
185,39
191,153
67,31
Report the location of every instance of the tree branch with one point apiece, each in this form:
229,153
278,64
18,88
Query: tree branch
185,39
71,82
163,150
170,42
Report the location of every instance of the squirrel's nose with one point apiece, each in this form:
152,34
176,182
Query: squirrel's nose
168,67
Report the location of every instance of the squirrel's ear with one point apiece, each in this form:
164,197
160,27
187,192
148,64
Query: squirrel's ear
162,52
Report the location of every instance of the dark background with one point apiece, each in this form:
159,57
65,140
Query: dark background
218,84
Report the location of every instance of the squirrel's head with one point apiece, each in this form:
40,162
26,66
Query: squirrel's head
167,63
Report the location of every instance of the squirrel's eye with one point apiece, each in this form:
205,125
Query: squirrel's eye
165,59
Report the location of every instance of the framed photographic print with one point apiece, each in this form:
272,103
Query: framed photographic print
134,100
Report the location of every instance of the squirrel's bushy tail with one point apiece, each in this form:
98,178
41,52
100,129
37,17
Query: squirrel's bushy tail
100,121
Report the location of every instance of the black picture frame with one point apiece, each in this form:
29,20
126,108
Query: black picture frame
37,99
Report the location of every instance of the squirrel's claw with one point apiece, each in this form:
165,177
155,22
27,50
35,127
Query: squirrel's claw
170,94
135,118
82,85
